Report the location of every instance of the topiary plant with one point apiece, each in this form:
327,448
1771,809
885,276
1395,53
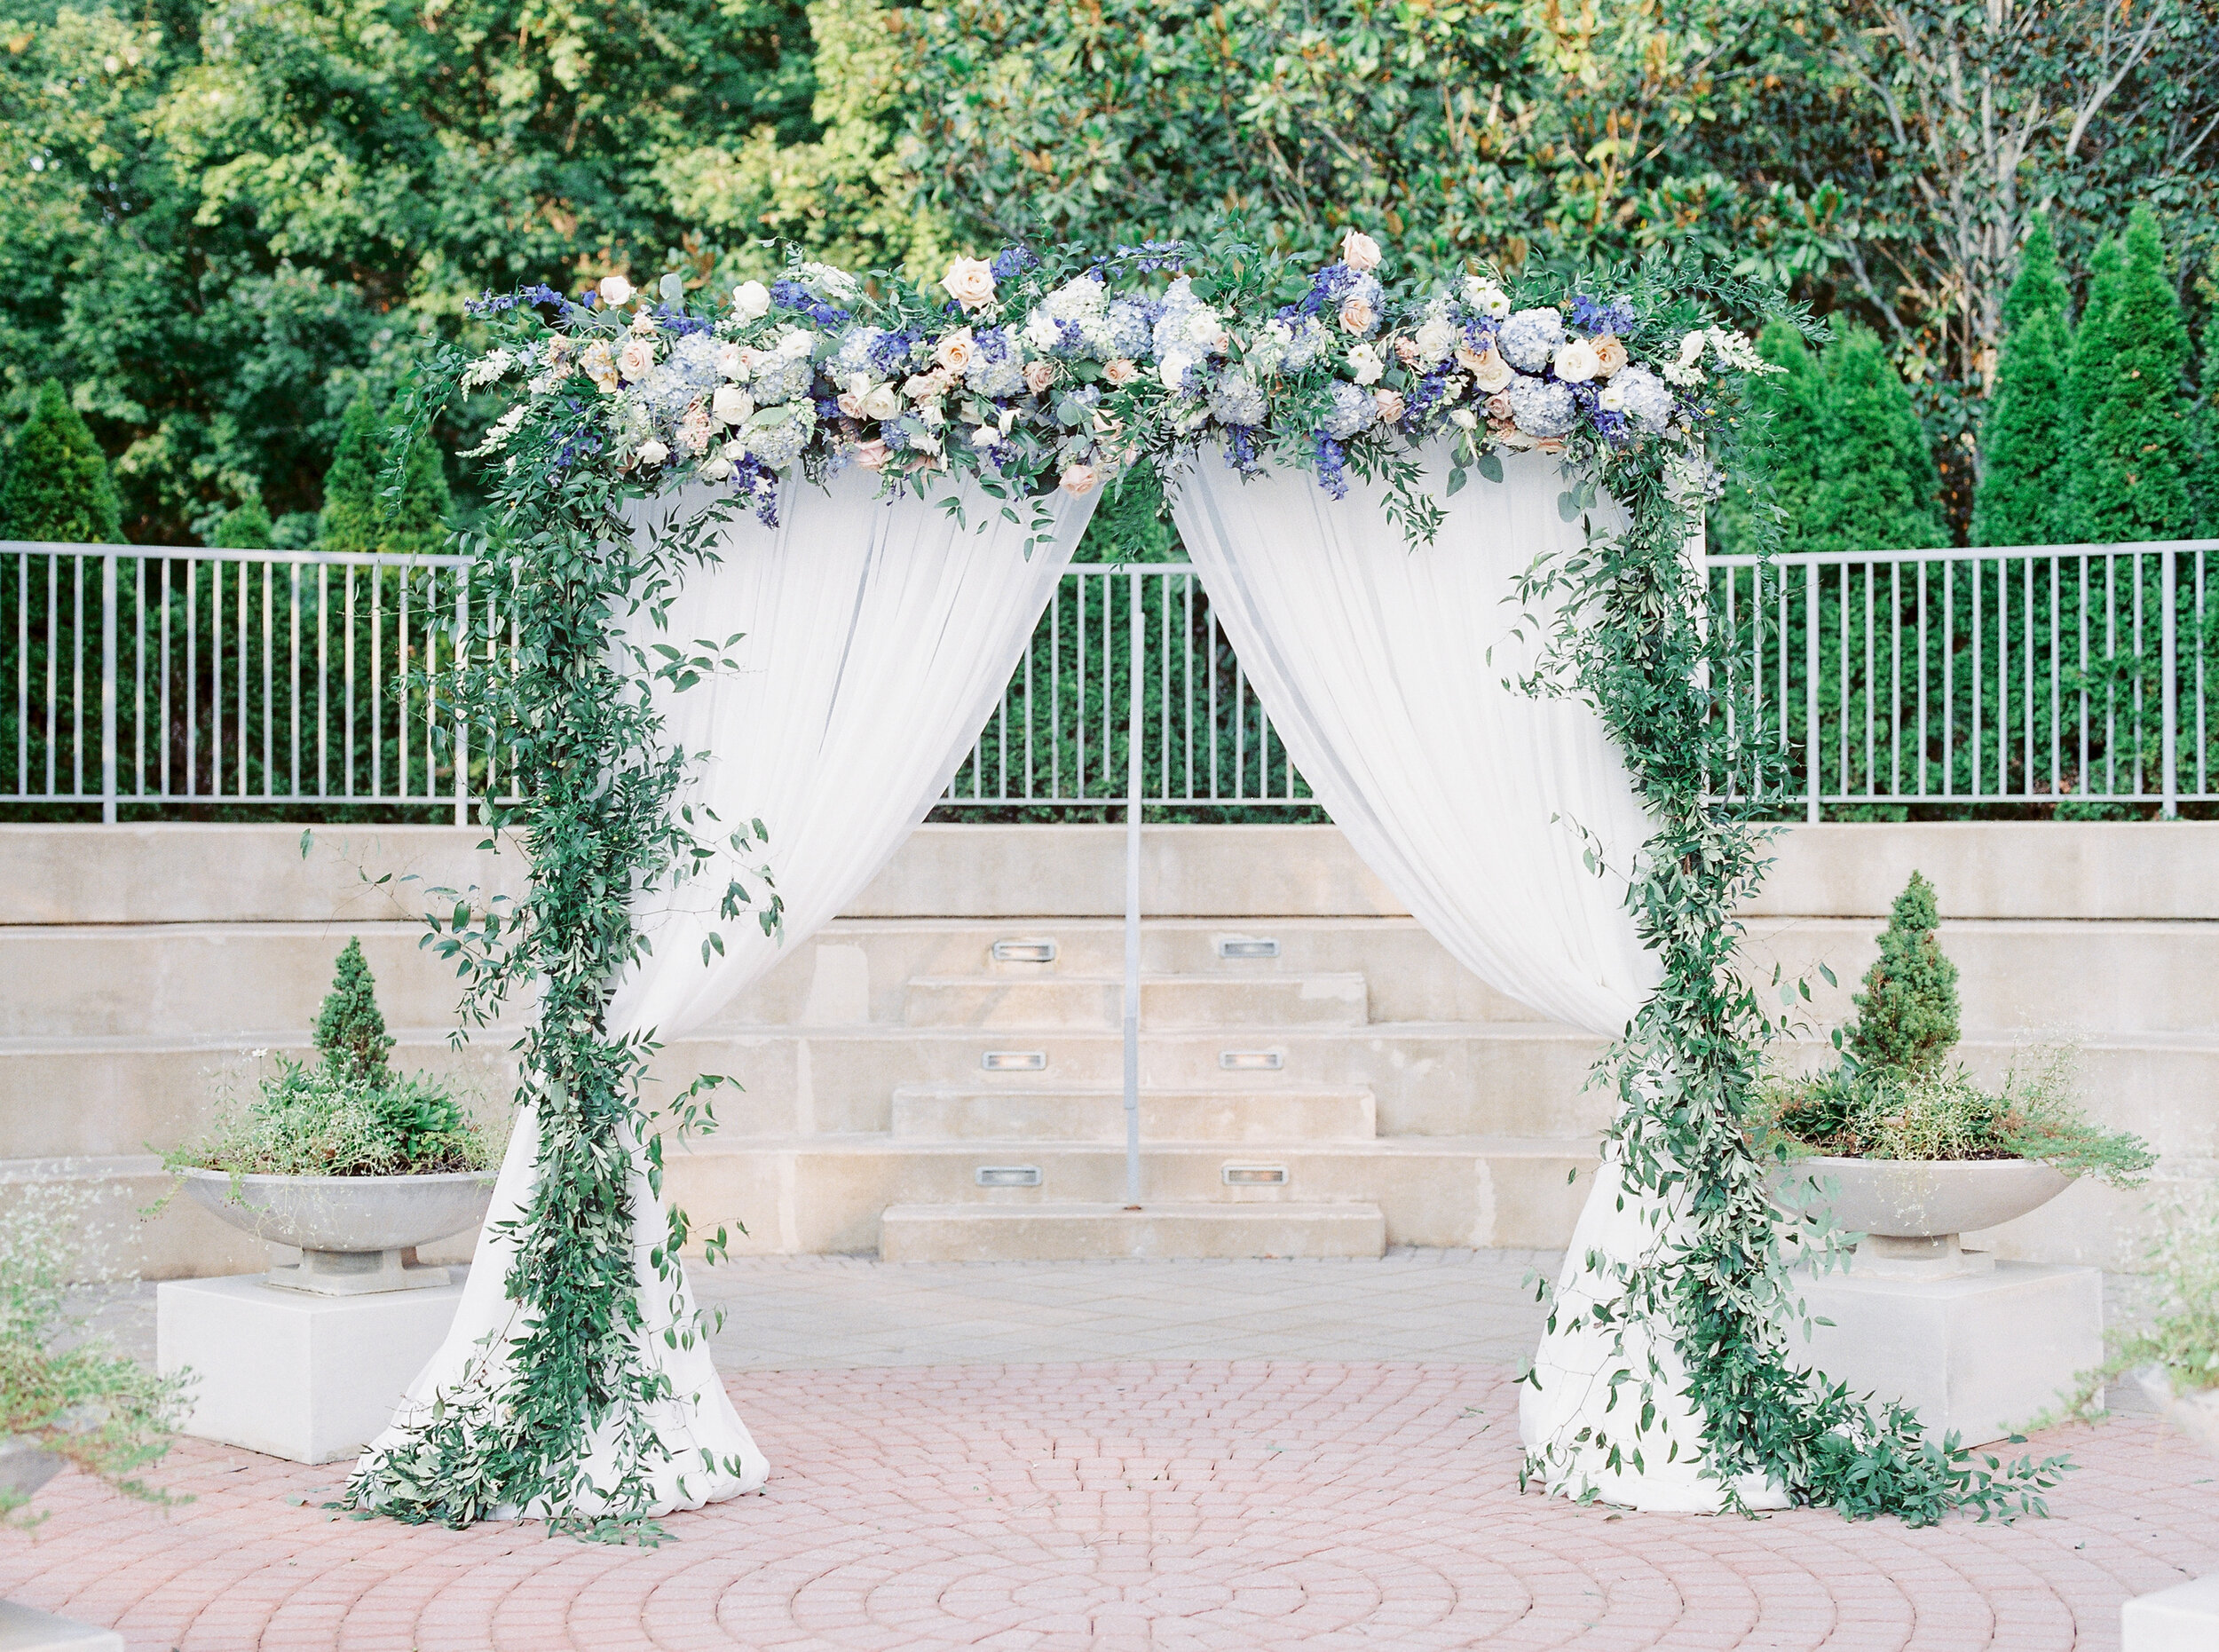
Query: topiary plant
57,484
349,1029
1907,1019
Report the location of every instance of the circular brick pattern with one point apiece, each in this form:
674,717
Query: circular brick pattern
1117,1507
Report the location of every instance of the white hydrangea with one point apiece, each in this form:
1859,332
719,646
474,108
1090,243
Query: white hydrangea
777,436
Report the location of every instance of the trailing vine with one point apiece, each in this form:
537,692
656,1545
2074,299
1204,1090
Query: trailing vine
1032,371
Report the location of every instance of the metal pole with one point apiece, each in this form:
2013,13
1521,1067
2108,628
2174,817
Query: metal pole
2168,691
458,658
1811,686
1132,906
108,688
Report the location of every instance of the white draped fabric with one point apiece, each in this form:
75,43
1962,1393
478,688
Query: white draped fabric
878,636
1506,823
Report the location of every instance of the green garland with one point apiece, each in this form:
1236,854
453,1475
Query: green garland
1022,374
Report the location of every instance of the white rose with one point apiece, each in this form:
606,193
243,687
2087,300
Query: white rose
1611,399
653,452
1486,298
985,436
1359,251
1464,419
615,290
1078,480
636,360
926,386
731,360
1205,329
969,281
751,301
1364,362
731,404
1357,315
1577,362
1436,338
1691,349
715,467
881,401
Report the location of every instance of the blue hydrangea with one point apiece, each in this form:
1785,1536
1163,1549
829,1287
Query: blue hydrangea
1127,326
694,359
1528,340
1641,396
666,392
782,377
1354,410
1542,406
1309,338
777,440
858,353
1235,400
998,365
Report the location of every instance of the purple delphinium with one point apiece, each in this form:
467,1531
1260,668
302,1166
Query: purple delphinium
1615,317
793,295
1330,457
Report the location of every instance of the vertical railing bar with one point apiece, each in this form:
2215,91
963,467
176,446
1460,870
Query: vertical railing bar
269,680
1213,663
401,685
2056,674
293,680
1843,672
1813,779
108,688
1056,697
376,575
191,677
1163,681
2111,683
246,649
2169,687
1240,731
1872,685
2203,648
458,657
23,672
1895,679
1079,638
347,724
167,567
2080,779
2002,677
139,675
76,673
1108,682
53,661
1028,651
216,676
323,681
1923,779
1949,664
1980,578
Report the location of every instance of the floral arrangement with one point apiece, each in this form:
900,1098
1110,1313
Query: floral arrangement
1065,370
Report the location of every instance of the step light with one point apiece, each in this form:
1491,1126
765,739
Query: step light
1014,1061
1251,1060
1013,1175
1243,948
1024,952
1254,1175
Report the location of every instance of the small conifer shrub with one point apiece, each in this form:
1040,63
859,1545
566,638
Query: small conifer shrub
1906,1019
57,486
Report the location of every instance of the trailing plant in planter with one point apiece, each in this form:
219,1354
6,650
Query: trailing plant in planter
81,1404
1896,1093
347,1113
2174,1349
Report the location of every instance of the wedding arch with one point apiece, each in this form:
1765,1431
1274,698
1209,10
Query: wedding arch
741,543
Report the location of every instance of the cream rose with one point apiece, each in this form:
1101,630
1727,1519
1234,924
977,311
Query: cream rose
881,401
1365,363
1039,374
731,404
1359,251
1120,373
615,290
926,386
1390,405
1464,419
969,281
653,452
636,360
751,302
1078,480
1575,361
1489,372
954,352
1498,406
1610,355
872,455
1356,316
599,364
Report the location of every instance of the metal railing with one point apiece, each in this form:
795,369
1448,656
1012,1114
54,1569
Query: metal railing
2053,679
2058,676
1121,649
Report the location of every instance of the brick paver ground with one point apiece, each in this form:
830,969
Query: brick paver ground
1116,1456
1117,1506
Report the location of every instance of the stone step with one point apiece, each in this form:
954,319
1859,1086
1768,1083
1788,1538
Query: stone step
974,1233
826,1194
1166,1001
926,1114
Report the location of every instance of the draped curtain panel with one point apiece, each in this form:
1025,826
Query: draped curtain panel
878,636
1507,824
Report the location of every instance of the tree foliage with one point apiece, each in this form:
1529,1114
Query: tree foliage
1877,488
2024,468
358,517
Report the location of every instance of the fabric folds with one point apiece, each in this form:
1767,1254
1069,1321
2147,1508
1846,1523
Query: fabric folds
877,635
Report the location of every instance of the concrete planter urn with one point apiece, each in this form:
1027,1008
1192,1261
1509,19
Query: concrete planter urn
24,1468
356,1234
2195,1413
1911,1211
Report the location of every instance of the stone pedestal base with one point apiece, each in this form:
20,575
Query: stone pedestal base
1979,1354
23,1629
307,1378
2184,1618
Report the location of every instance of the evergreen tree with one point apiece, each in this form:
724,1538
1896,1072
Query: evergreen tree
2132,458
349,1029
245,527
1878,487
2023,450
1907,1019
356,518
1793,407
57,484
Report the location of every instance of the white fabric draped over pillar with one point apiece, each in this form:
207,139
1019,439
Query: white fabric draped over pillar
879,634
1506,823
